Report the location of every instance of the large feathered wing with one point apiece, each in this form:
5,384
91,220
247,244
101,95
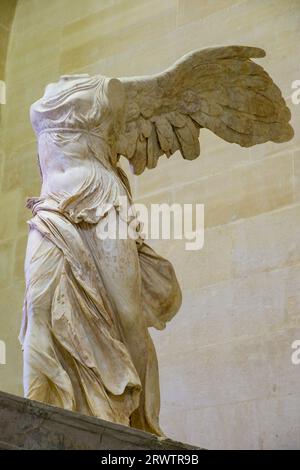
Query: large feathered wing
220,89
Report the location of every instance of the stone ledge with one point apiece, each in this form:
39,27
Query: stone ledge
27,424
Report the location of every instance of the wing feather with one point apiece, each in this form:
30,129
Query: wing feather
219,88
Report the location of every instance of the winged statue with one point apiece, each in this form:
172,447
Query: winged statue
89,301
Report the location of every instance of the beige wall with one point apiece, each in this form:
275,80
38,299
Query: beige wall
7,10
226,376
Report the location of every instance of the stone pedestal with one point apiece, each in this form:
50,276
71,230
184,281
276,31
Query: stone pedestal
27,424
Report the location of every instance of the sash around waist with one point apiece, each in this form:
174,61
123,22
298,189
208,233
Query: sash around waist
70,129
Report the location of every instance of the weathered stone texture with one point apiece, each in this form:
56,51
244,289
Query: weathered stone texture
26,424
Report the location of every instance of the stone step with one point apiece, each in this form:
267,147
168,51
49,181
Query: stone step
27,424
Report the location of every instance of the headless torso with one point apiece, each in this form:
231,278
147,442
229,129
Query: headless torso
75,124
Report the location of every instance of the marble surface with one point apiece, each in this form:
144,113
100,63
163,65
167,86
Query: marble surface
26,424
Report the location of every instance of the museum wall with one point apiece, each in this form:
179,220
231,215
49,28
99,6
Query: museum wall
7,10
227,380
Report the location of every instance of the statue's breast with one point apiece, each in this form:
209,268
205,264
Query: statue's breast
81,106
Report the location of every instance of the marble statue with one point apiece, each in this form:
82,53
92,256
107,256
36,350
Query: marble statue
89,301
